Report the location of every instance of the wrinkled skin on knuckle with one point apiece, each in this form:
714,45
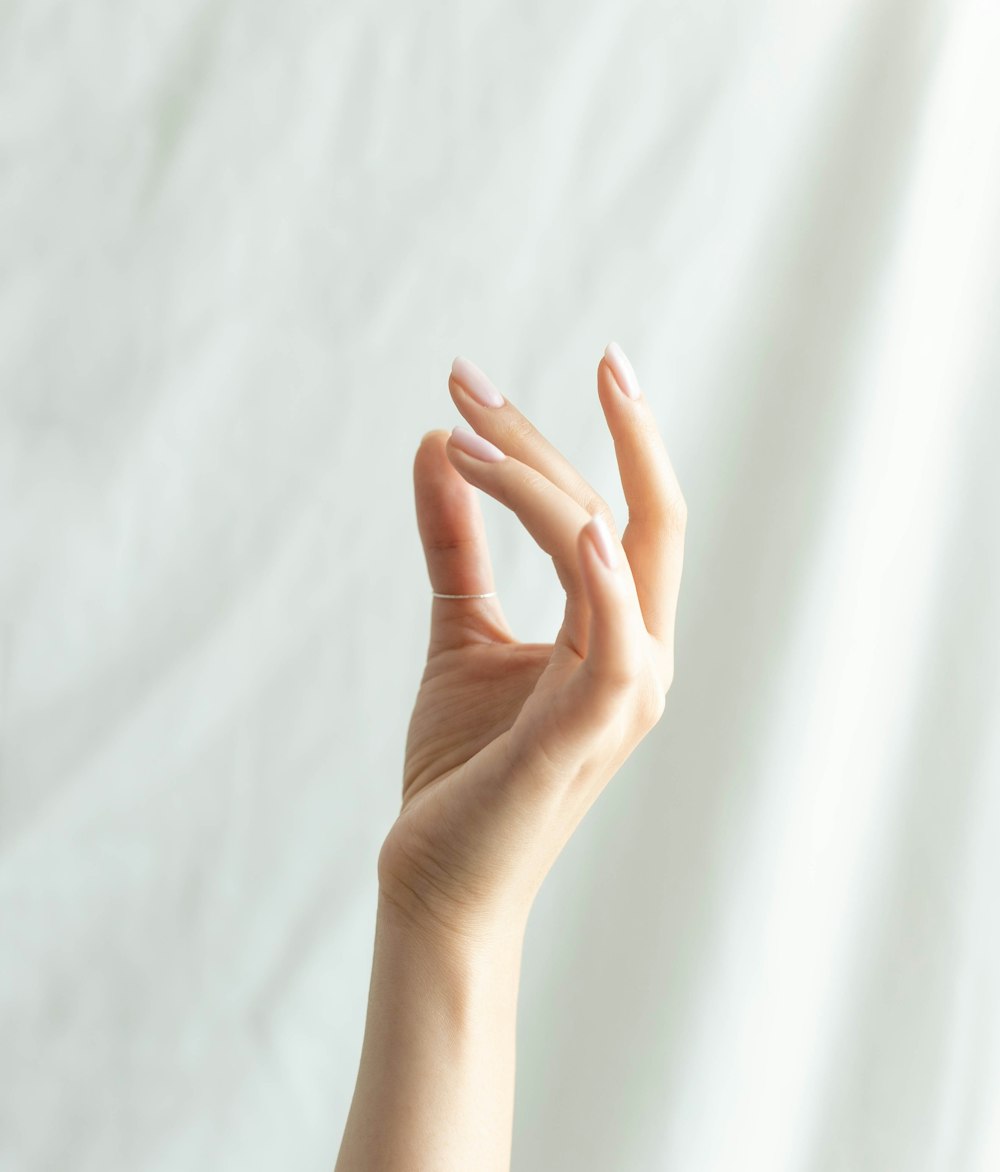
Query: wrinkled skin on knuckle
534,482
520,429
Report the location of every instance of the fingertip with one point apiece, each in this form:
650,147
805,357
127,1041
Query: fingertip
430,451
471,443
437,435
608,390
622,371
598,534
604,582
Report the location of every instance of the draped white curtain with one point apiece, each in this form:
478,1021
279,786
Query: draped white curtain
240,244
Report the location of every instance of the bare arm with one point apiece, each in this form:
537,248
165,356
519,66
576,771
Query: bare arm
436,1084
508,746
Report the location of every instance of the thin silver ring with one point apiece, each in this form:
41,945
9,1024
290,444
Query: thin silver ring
489,594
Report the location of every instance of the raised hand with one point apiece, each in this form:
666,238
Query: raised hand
510,743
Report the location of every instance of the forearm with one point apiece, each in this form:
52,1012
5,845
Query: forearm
435,1089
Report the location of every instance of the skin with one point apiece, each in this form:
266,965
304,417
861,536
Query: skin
508,746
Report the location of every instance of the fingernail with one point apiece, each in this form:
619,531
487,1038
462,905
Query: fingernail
601,538
621,368
474,445
476,383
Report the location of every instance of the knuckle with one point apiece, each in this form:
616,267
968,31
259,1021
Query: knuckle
670,514
621,678
631,676
450,544
568,573
651,707
533,482
650,701
532,477
520,428
617,680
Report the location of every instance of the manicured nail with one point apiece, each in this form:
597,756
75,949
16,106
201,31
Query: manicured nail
474,445
469,376
621,368
602,541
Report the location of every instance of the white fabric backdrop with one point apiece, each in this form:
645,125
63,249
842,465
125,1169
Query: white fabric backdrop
240,245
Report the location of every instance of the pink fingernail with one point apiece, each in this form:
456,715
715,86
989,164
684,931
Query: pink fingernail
474,445
621,368
601,538
472,379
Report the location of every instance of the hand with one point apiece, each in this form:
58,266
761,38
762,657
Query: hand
510,743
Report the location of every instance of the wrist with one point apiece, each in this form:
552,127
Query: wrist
458,946
467,986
